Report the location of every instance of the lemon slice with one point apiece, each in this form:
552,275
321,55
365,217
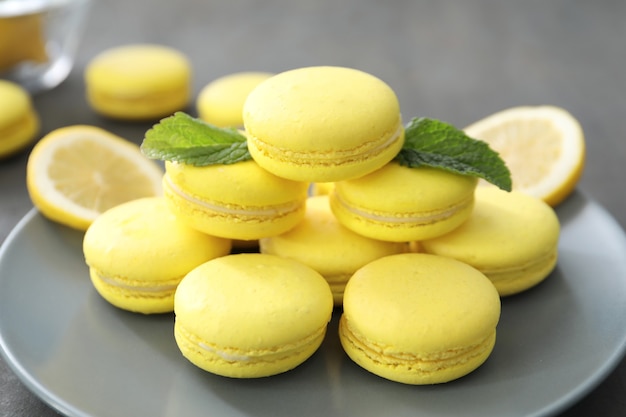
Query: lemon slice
77,172
543,146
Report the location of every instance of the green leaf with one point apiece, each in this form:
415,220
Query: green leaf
185,139
436,144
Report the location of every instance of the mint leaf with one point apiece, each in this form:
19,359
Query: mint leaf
185,139
436,144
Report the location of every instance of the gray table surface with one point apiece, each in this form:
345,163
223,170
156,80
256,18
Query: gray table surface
455,60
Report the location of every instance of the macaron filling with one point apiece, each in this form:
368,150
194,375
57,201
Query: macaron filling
229,210
334,157
143,287
509,272
229,354
412,218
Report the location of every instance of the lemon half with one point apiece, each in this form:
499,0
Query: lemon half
543,146
75,173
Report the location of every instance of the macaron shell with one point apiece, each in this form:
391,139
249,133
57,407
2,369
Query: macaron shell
19,121
403,204
251,315
419,318
323,124
139,251
511,237
141,81
239,201
322,243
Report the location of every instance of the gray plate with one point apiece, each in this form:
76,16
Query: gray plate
555,342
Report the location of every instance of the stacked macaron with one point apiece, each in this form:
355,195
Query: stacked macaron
289,288
329,182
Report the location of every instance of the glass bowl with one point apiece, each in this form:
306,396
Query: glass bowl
39,39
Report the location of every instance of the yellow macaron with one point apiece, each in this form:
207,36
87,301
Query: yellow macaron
323,124
511,237
419,319
238,201
403,204
322,243
251,315
19,121
138,252
220,102
138,82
